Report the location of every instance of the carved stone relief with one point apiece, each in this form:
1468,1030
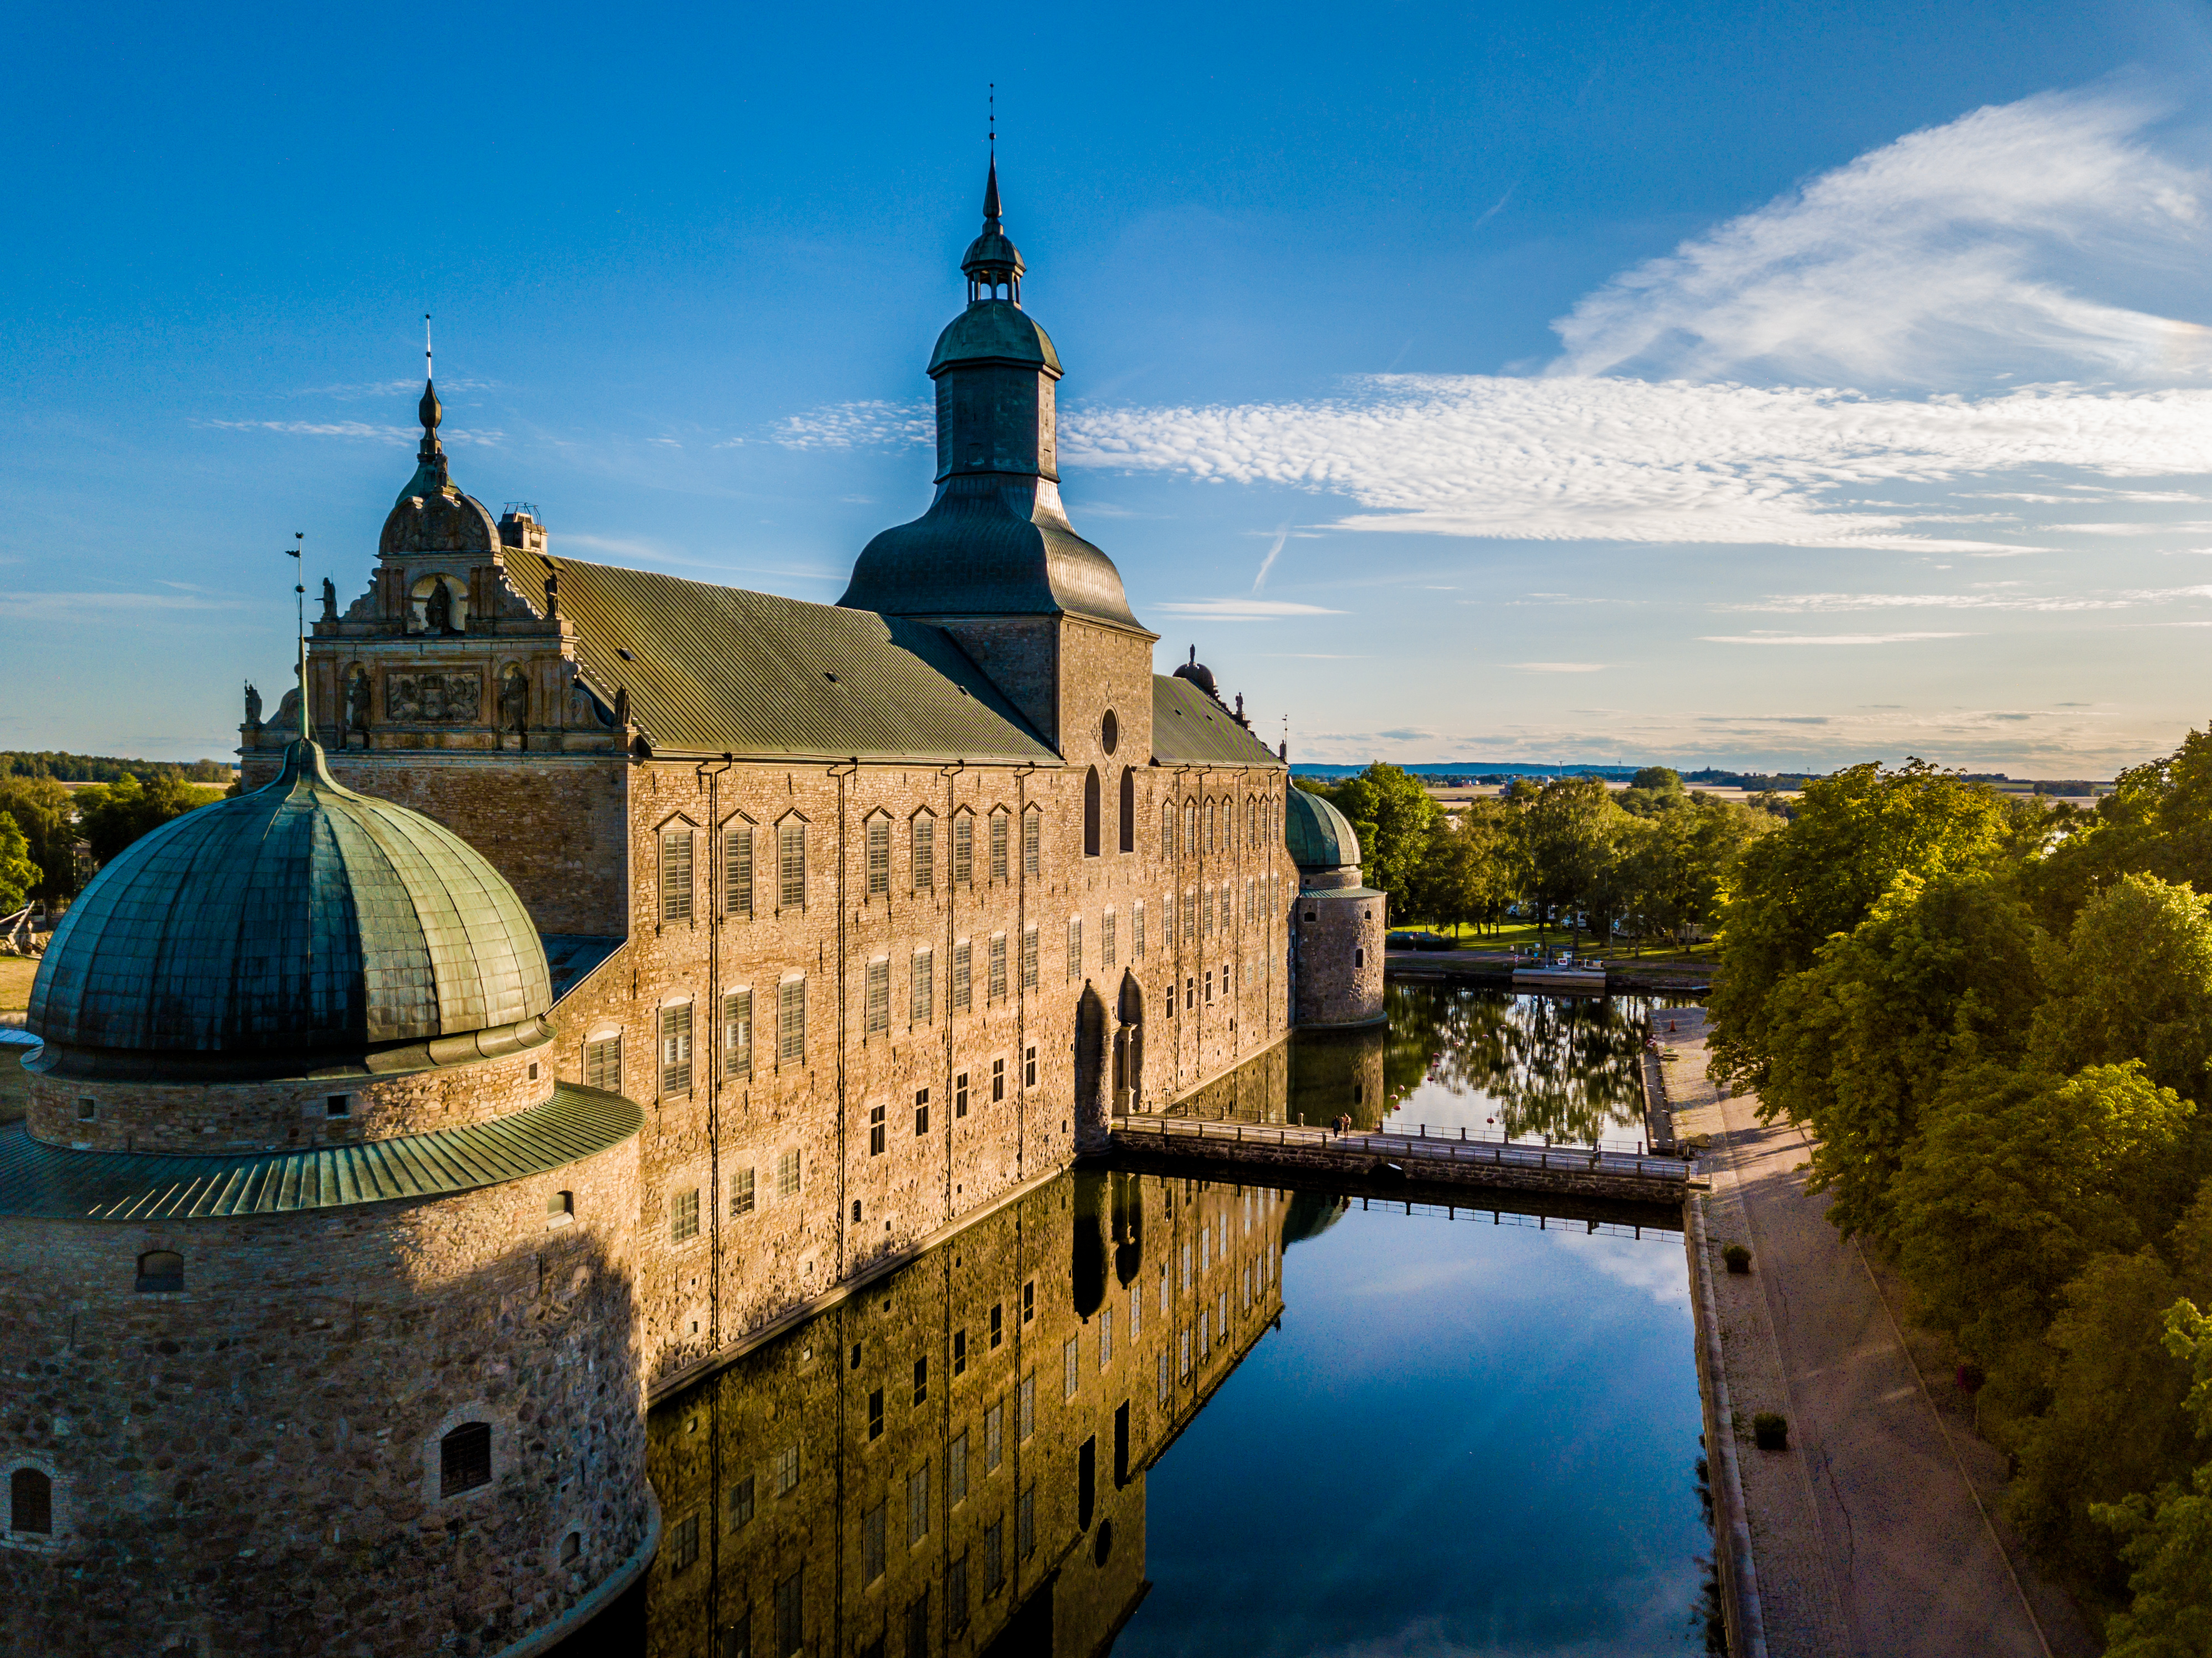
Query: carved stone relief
432,699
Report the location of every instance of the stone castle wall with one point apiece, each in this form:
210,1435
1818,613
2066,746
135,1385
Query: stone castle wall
290,1115
251,1465
1338,935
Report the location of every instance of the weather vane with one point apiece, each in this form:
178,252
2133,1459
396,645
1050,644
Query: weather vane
427,374
993,136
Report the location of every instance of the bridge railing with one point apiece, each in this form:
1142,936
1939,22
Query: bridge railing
1497,1152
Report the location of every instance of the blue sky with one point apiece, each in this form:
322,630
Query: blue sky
1744,384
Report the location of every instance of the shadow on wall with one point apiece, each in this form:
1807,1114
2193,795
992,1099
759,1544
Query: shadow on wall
311,1458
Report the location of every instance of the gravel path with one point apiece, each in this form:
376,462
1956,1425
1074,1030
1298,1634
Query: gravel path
1869,1538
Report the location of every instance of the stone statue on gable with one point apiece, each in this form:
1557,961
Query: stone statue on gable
252,704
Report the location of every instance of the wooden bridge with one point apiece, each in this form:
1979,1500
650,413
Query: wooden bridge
1416,1158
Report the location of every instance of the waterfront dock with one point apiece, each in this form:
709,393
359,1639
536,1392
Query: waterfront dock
1423,1159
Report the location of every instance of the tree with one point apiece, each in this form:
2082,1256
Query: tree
1569,827
1854,834
18,875
2133,979
43,811
2169,1536
2021,1178
114,814
1681,865
1653,791
1391,813
1943,973
2157,820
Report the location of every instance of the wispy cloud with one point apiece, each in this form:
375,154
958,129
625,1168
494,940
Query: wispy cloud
858,425
1823,639
1809,604
1951,253
354,428
1559,667
1242,610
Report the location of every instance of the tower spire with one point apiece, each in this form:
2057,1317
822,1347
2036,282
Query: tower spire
993,265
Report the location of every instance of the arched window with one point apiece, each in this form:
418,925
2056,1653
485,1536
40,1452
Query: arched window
1213,843
1091,812
465,1458
161,1271
1167,829
30,1502
1128,808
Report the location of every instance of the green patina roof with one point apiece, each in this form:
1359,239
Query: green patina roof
300,920
994,331
1190,728
1318,834
718,670
51,1182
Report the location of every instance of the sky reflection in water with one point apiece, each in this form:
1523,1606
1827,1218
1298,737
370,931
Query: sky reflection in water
1465,1438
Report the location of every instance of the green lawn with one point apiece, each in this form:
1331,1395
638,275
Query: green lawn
15,975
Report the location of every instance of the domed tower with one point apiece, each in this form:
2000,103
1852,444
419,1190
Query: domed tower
995,560
1337,923
327,1281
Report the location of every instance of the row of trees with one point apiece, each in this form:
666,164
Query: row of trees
52,839
1569,851
1995,1019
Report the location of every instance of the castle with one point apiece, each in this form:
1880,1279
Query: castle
602,972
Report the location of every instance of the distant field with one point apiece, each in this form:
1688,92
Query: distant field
15,976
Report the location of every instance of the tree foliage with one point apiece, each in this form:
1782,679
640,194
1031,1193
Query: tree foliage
113,815
44,812
18,875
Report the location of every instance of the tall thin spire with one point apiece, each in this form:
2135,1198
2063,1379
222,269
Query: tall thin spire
298,550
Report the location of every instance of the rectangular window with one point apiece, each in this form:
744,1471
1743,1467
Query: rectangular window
1206,901
787,1173
1029,1301
920,1113
1251,900
791,1615
876,1414
880,857
1221,1314
994,1566
964,848
676,1049
791,1021
875,1131
917,1626
872,1544
1074,948
741,1503
683,1543
603,1064
1137,930
1185,1339
791,863
956,1596
963,995
1025,1409
1029,1067
1032,842
997,987
737,1034
1190,827
1067,1367
1209,986
999,846
1105,1337
925,854
956,1470
1190,916
1167,829
1205,1247
786,1470
1106,940
994,1425
997,1322
998,1080
960,1352
917,1505
960,1094
1162,1381
683,1216
1029,958
921,1382
880,995
676,873
921,1001
1204,1345
1137,1314
741,1193
738,870
1185,1268
1025,1524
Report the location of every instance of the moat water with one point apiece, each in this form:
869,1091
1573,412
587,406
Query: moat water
1159,1416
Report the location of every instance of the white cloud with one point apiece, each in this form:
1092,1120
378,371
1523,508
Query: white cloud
1243,610
1807,603
1821,639
1559,667
857,425
353,428
1948,254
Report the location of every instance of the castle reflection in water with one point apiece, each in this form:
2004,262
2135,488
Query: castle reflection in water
951,1460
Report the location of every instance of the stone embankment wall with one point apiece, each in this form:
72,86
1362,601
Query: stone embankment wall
251,1465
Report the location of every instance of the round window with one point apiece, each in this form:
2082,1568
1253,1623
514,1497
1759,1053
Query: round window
1109,731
